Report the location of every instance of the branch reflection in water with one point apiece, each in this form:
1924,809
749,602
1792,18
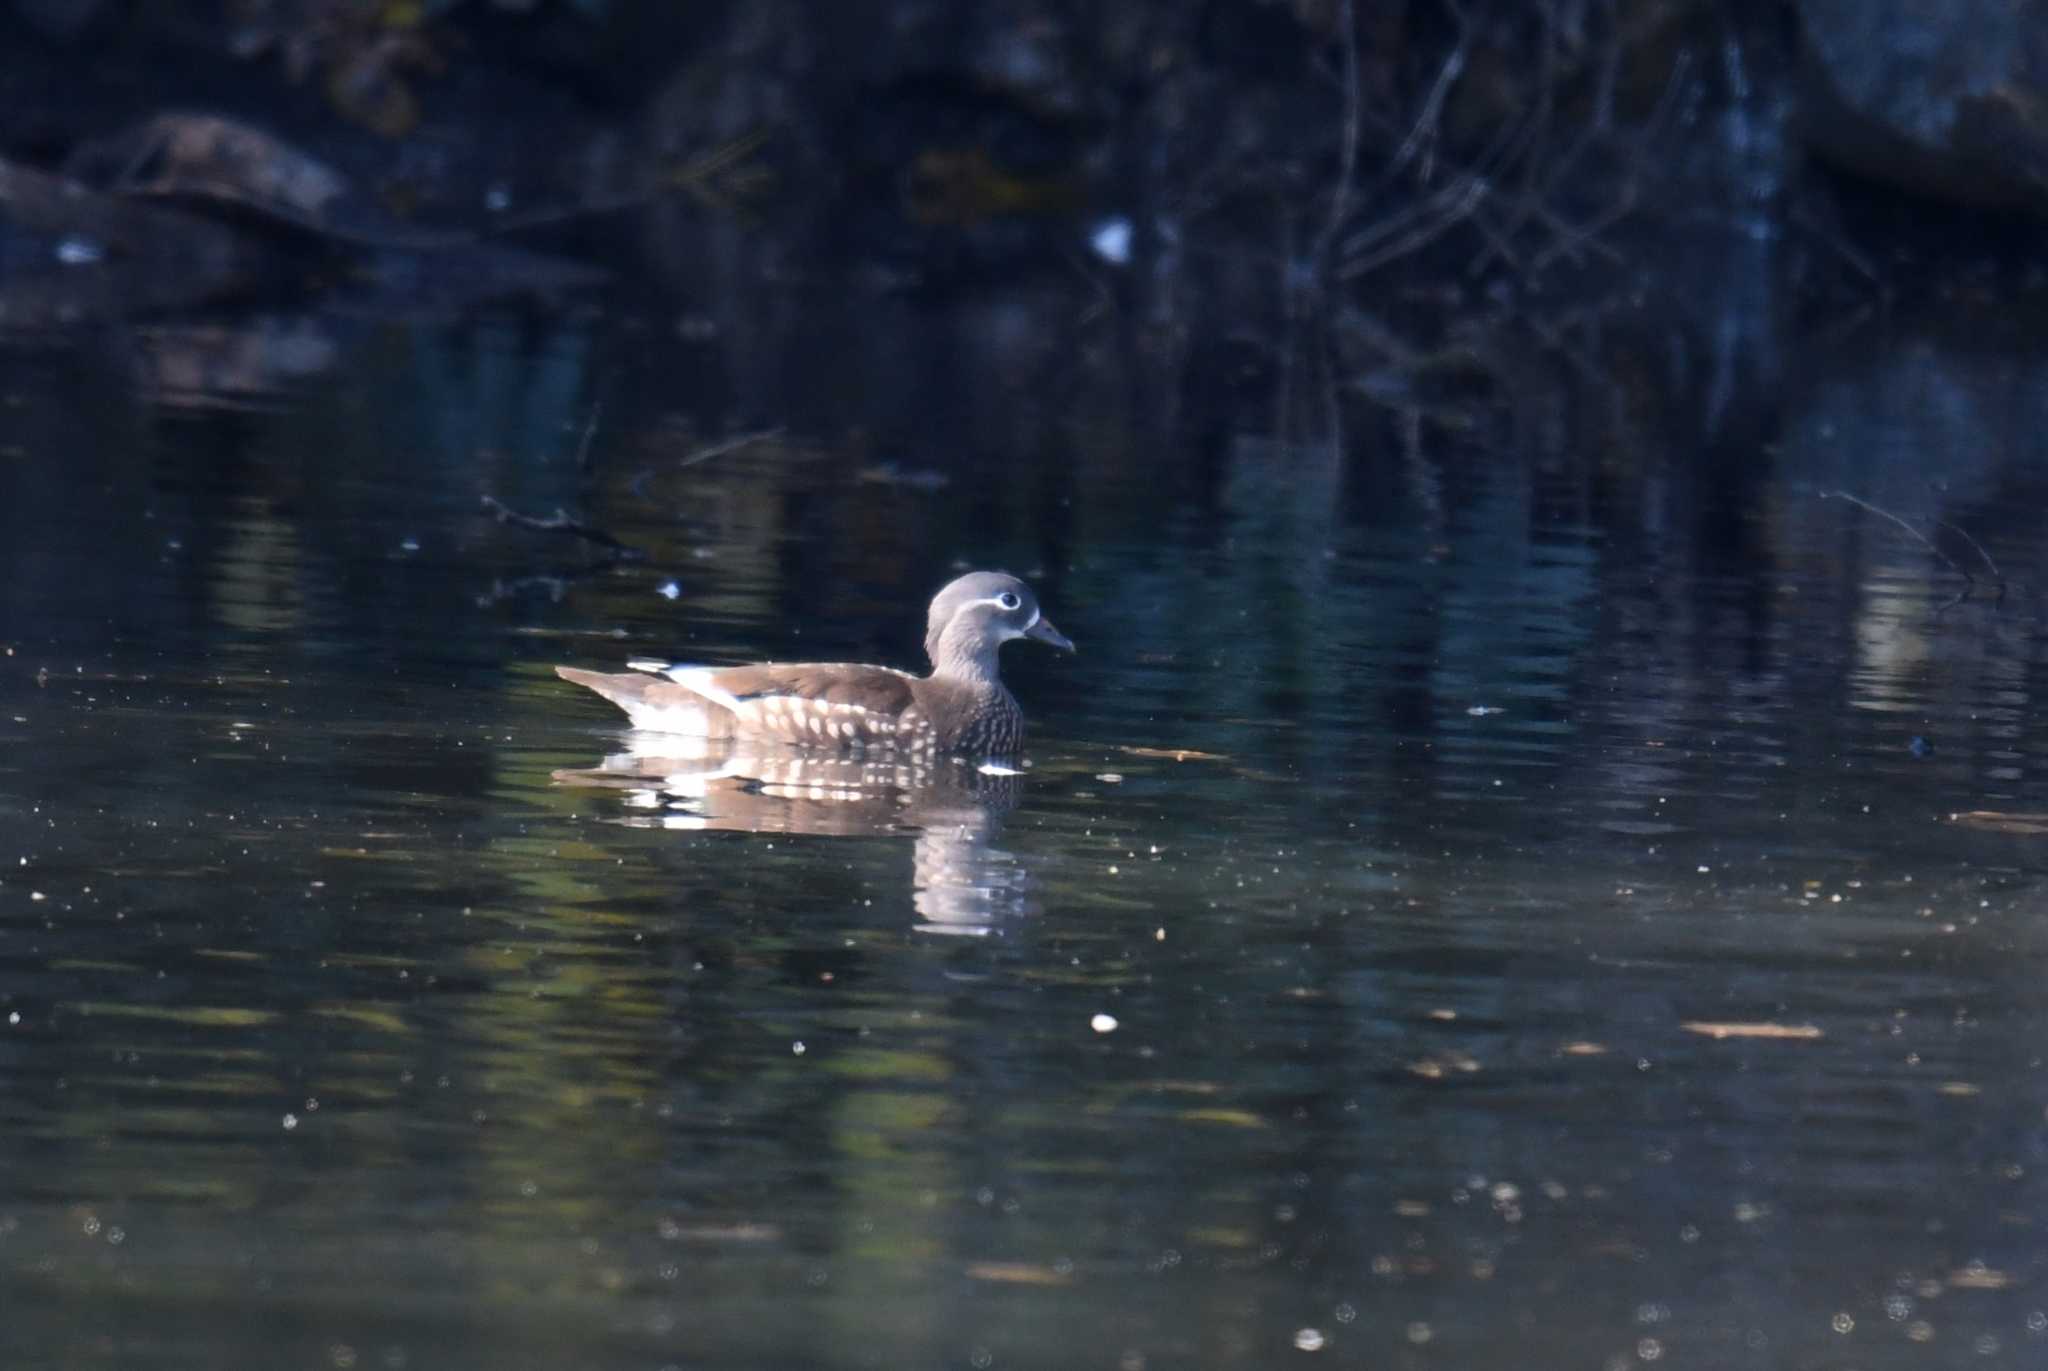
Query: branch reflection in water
962,882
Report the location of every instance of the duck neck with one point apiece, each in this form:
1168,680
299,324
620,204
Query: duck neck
965,662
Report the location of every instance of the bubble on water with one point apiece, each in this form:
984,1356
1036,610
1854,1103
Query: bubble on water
1420,1332
1649,1349
1897,1307
1842,1322
1103,1023
1309,1339
291,1121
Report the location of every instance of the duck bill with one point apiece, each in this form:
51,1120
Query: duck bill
1046,633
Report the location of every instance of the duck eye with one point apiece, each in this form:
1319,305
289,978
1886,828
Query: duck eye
1008,599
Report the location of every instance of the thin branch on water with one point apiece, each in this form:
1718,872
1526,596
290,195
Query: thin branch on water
1953,565
1989,565
589,432
638,485
705,454
561,523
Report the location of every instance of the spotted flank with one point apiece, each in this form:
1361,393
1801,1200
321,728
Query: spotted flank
792,714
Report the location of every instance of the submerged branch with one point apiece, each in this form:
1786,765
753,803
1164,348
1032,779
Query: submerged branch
563,524
589,432
1958,568
1978,547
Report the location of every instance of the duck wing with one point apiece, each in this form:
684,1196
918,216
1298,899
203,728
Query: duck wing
833,704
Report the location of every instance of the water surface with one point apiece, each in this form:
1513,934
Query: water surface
1571,901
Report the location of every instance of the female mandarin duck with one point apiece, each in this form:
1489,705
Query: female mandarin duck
962,706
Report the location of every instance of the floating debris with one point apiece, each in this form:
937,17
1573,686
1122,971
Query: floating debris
1018,1273
910,478
1805,1032
1977,1276
2000,822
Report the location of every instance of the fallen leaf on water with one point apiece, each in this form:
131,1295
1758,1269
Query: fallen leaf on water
1017,1273
1959,1089
1585,1049
723,1232
1173,754
365,854
1237,1118
2000,822
1979,1278
1752,1030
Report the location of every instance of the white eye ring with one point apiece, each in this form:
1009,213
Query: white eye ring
1008,599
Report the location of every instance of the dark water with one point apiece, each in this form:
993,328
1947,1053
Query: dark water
1339,984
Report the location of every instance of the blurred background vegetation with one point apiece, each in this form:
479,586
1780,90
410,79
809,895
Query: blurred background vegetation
1400,200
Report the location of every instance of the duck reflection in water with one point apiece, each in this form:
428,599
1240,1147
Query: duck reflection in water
962,881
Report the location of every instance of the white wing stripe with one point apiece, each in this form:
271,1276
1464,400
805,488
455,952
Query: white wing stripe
697,680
